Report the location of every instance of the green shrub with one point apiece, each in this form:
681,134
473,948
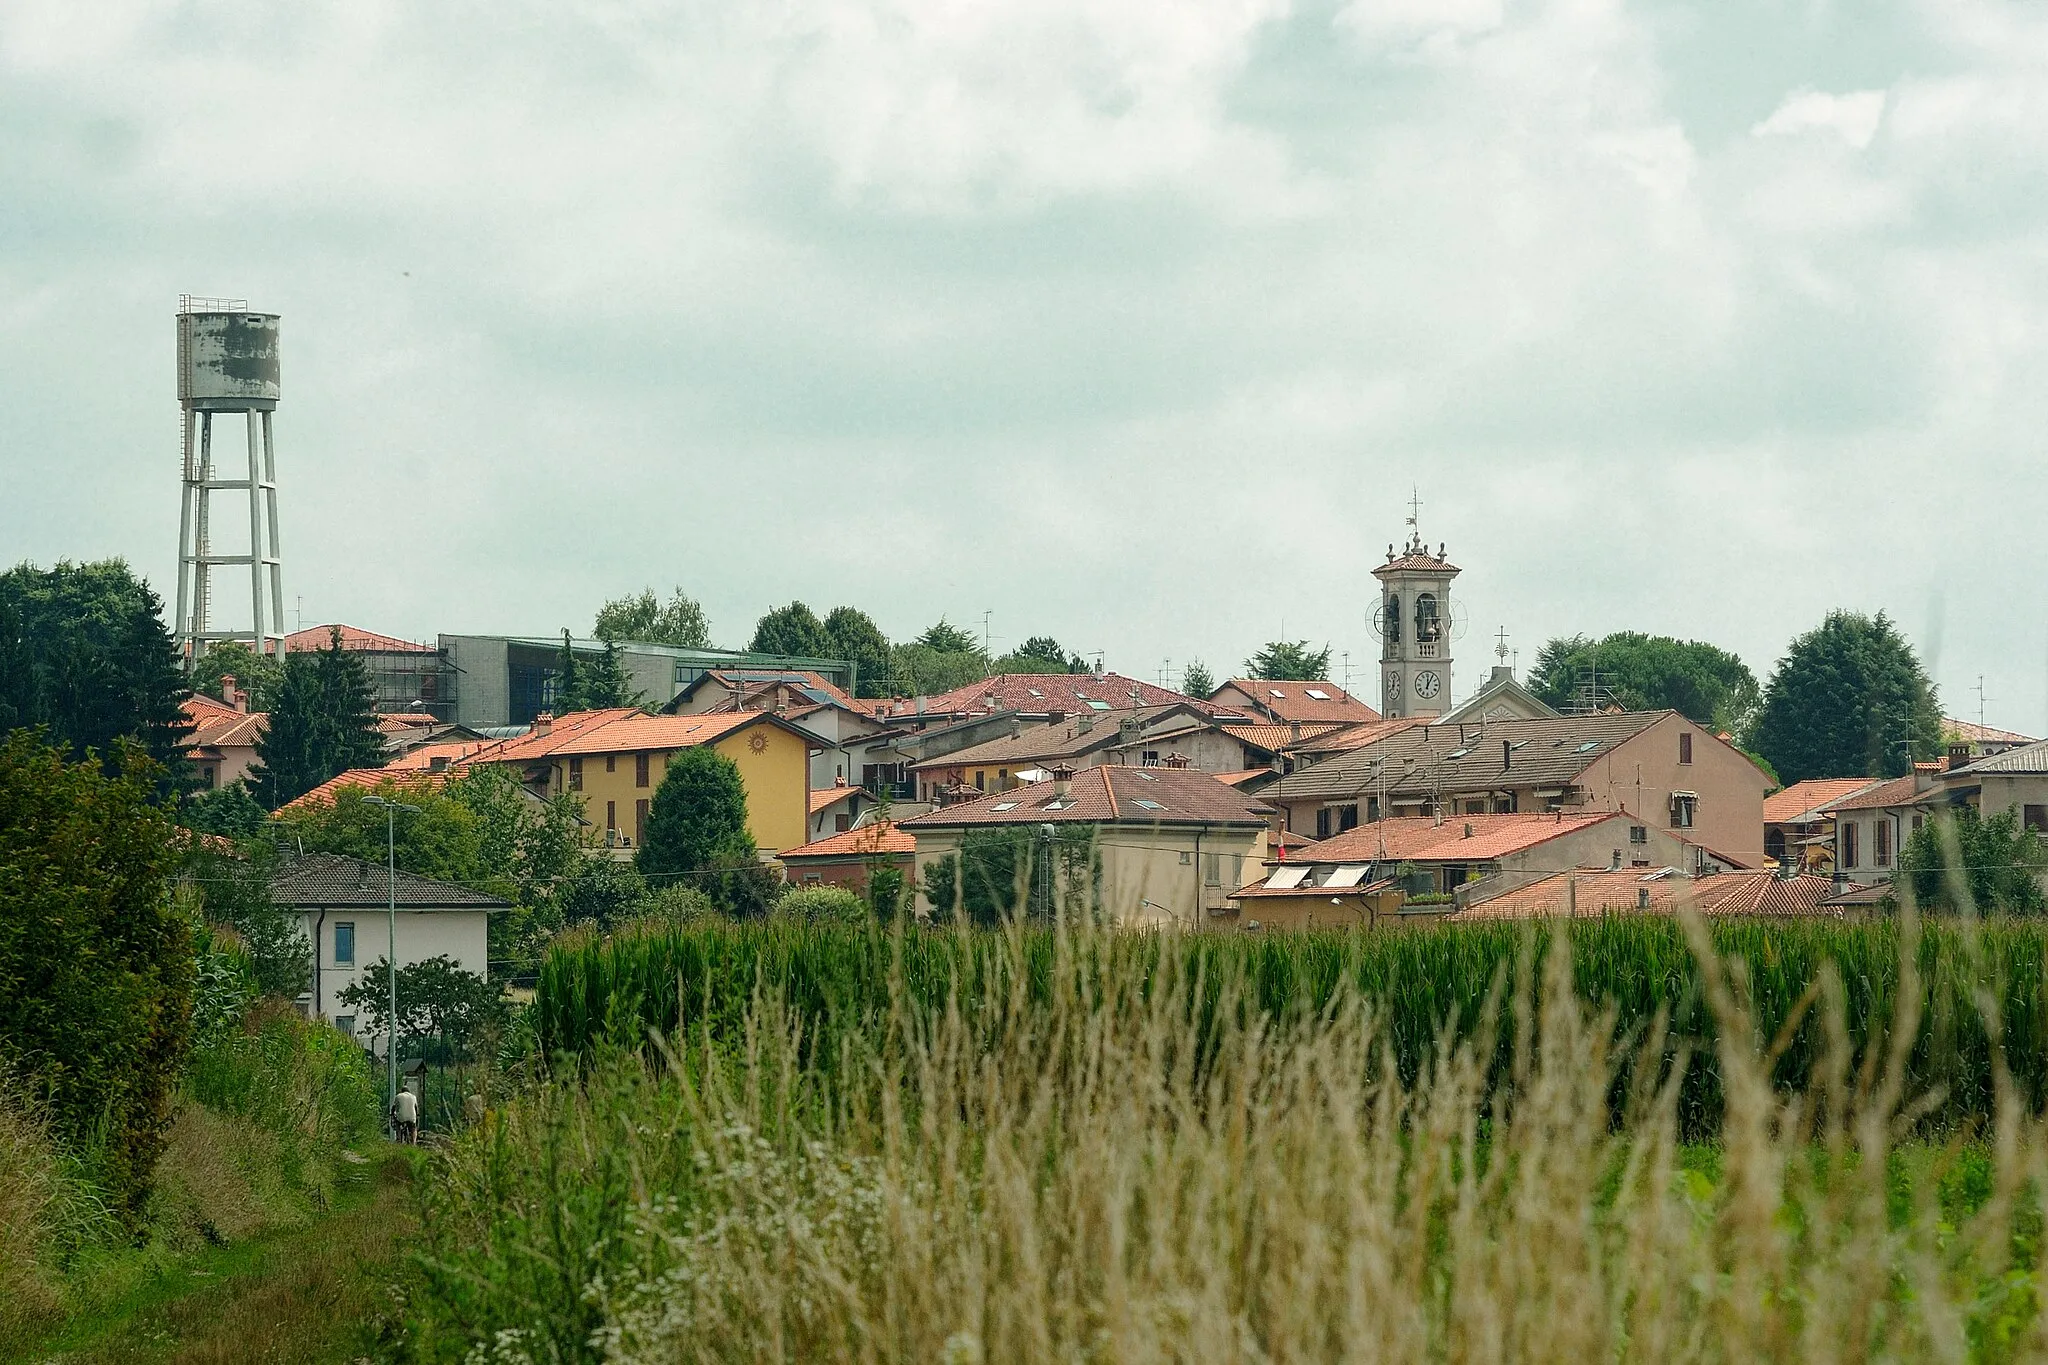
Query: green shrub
305,1083
95,961
678,903
822,905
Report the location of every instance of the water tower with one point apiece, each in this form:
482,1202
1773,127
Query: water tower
227,363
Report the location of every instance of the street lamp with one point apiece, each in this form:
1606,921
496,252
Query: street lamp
391,809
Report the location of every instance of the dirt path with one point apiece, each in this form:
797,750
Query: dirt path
307,1296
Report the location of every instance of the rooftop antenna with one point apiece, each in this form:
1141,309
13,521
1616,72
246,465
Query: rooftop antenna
984,635
1414,516
1981,700
1347,670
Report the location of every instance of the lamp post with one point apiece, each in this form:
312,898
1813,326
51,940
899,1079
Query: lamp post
391,809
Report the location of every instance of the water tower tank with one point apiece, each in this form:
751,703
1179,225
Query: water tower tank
227,360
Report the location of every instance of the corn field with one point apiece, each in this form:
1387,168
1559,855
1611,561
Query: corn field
665,981
830,1146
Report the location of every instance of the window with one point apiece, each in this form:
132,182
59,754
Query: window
1685,746
611,817
980,781
1847,837
1143,804
1918,820
346,1023
575,774
1323,823
1881,843
1277,693
640,821
842,823
2033,818
345,944
1002,778
611,763
1151,759
640,770
1639,834
207,776
1319,694
1427,625
1684,810
1347,818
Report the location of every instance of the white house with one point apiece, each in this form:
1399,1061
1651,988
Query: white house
342,904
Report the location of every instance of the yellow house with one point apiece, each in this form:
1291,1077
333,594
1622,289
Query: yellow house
614,761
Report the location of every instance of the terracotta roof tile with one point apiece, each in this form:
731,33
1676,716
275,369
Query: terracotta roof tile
216,725
881,839
1038,741
1108,795
1418,839
1357,736
1900,791
1284,701
1275,738
1981,734
423,756
825,798
1037,693
1805,799
317,637
1594,892
365,779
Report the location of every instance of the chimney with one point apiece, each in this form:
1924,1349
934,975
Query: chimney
920,706
1130,730
1176,760
438,763
1062,781
1468,829
544,722
1016,726
231,694
1958,755
1615,866
1642,898
1055,717
1084,721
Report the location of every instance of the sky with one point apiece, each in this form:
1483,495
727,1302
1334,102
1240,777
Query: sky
1134,323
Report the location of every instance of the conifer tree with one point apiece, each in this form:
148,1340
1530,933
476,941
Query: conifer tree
324,723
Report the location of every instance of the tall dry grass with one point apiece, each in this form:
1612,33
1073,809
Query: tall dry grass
1076,1168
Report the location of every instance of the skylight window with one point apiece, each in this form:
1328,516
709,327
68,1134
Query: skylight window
1589,746
1149,805
1277,692
1094,705
1035,692
1144,777
1319,694
1056,804
1004,805
1457,753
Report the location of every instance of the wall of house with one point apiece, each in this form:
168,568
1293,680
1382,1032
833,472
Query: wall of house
1167,866
2000,792
776,777
1318,910
1869,866
851,873
1640,774
463,935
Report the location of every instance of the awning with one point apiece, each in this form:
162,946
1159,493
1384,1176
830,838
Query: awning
1349,875
1287,878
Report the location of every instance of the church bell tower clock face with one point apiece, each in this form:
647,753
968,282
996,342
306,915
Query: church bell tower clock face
1428,684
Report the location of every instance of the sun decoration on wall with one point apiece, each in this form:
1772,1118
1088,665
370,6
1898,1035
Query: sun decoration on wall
758,743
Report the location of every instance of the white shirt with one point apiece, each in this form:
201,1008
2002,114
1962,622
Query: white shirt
406,1108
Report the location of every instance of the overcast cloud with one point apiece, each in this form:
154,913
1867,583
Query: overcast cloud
1132,322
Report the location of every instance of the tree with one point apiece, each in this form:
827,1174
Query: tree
444,1012
1641,672
1195,680
84,654
234,890
1039,654
592,684
793,630
95,960
323,723
227,811
1965,864
853,635
886,890
680,621
1289,660
947,638
919,670
697,833
259,675
600,891
998,872
1849,699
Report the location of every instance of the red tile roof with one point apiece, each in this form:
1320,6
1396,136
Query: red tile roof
218,726
1416,556
1108,795
1806,798
1421,839
1358,736
423,756
1900,791
367,779
882,839
317,637
1067,692
1291,701
1274,738
1594,892
1239,779
825,798
622,730
750,683
1980,734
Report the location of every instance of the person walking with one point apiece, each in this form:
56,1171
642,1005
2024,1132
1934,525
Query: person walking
405,1115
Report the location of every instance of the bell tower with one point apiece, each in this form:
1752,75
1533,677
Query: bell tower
1414,622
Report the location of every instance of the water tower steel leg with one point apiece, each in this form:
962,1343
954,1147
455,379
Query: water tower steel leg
256,525
276,554
182,622
202,540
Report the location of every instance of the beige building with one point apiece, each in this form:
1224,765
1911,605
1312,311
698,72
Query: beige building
1182,734
1174,843
1671,773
